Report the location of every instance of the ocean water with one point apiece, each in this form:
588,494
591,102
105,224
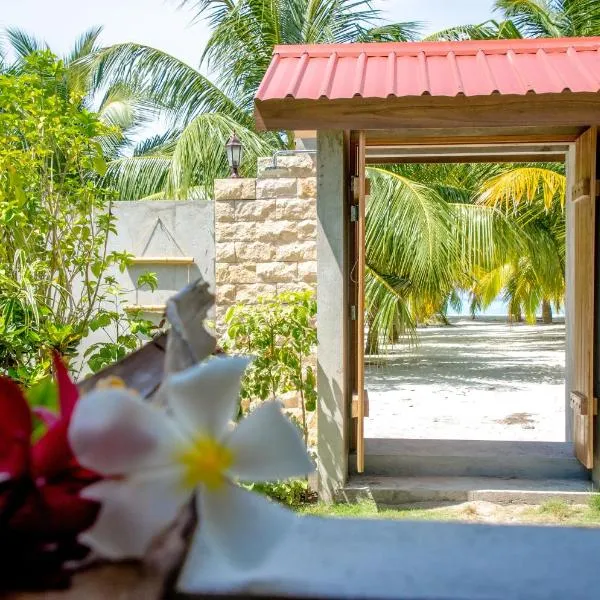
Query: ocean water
498,308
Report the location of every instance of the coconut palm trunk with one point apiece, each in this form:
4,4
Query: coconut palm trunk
546,312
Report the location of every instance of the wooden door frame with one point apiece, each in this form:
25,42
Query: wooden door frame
354,291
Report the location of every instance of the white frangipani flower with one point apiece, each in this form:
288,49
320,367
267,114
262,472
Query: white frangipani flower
158,459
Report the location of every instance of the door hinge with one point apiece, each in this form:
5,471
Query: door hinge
353,213
353,312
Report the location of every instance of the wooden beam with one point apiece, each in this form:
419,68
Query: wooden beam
476,158
426,112
470,135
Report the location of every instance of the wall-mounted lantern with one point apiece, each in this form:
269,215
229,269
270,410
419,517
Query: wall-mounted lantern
234,150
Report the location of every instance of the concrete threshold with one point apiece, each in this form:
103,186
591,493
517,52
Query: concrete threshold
470,458
398,491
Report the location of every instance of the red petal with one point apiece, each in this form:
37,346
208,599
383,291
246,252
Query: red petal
68,393
51,454
45,415
54,512
15,430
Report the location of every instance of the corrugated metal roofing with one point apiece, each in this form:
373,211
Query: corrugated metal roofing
468,68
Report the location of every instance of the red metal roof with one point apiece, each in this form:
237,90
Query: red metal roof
469,68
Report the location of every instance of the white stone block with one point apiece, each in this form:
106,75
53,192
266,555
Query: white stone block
255,252
296,251
225,252
235,189
276,188
296,209
307,187
256,210
274,272
226,273
293,165
249,294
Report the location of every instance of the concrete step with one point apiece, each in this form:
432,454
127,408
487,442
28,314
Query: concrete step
397,491
471,458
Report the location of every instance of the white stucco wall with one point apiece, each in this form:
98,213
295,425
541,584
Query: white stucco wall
158,228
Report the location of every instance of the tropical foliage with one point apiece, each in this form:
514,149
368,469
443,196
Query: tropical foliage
435,232
55,220
200,113
280,332
533,18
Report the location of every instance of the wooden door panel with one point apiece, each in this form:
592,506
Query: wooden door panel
583,214
360,197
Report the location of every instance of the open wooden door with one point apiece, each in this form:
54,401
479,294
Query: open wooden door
582,279
359,194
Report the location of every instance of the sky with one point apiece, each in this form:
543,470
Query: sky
160,24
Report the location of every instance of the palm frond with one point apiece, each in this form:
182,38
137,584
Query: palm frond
85,45
488,30
408,233
137,177
199,157
409,31
387,304
534,18
178,89
22,43
524,185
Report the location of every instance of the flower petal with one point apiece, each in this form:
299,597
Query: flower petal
243,526
15,430
114,432
267,446
68,392
45,415
204,397
51,454
134,511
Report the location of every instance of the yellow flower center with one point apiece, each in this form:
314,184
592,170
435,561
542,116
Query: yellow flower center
112,381
205,461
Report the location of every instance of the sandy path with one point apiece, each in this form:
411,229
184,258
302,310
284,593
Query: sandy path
472,381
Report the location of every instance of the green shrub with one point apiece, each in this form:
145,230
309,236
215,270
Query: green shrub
280,333
291,493
55,219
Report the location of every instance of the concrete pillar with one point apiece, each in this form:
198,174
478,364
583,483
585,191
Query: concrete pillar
332,317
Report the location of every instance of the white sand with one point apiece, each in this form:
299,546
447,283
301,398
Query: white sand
472,381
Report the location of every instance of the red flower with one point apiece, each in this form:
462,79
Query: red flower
41,512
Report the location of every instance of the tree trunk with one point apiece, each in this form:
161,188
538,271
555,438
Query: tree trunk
516,316
546,312
372,340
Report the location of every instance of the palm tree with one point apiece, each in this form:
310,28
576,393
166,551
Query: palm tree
533,197
552,18
533,18
121,105
426,236
199,114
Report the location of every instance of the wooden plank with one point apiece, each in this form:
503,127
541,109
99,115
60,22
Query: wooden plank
473,135
579,403
472,158
582,278
431,112
355,404
360,309
581,189
163,260
147,308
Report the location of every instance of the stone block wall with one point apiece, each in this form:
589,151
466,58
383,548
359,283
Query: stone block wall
265,232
